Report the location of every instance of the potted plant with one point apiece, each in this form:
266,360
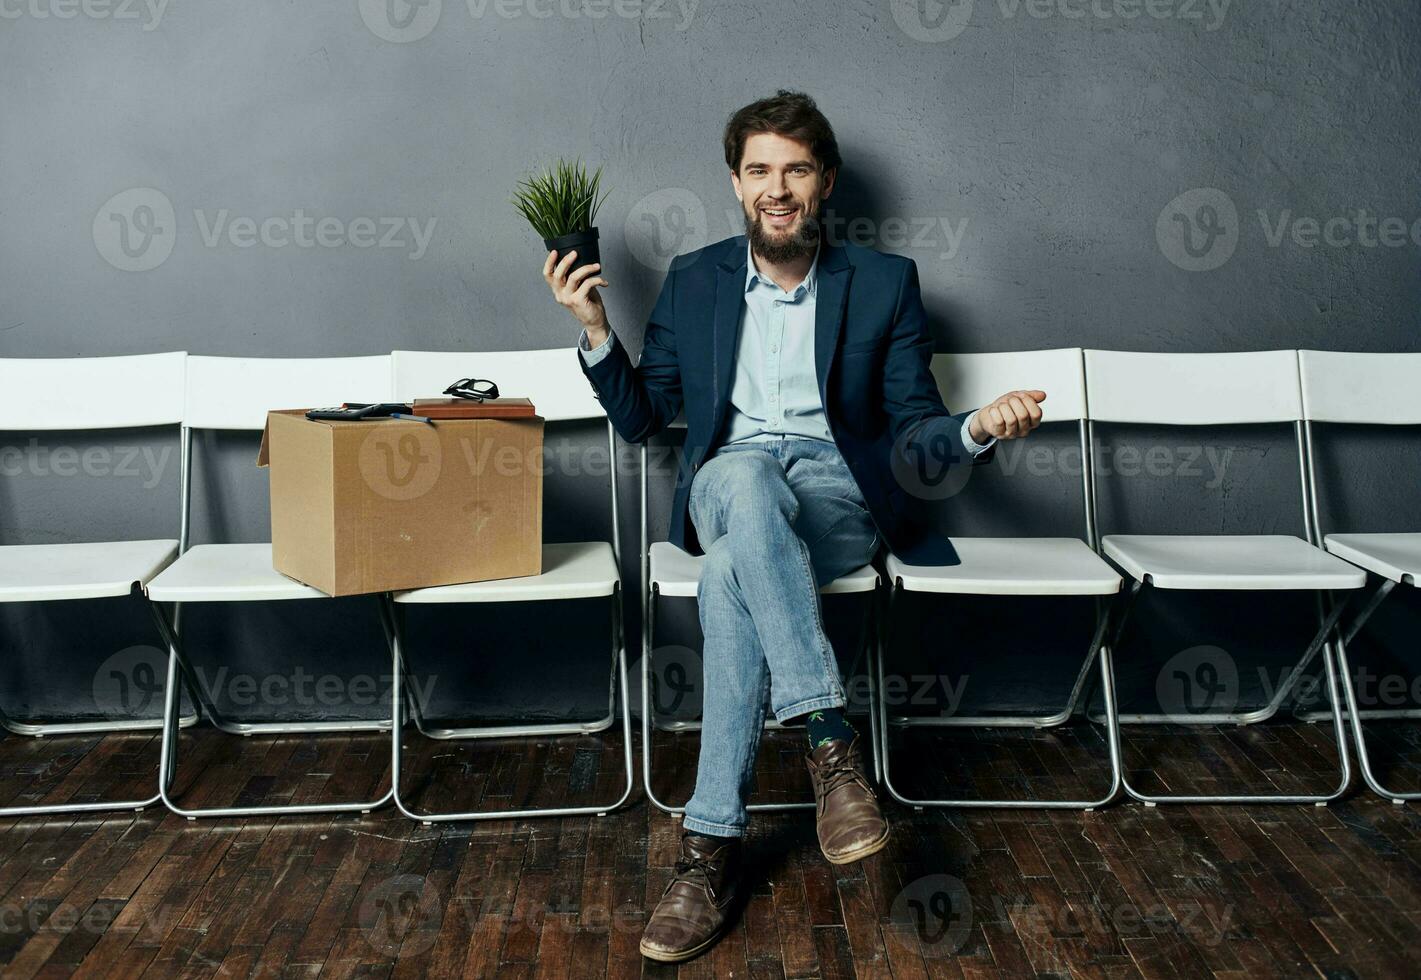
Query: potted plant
561,204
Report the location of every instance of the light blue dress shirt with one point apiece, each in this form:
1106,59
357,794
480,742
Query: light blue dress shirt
774,393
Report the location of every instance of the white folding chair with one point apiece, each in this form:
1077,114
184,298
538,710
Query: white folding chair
668,571
553,381
1249,388
235,393
86,394
1066,566
1362,389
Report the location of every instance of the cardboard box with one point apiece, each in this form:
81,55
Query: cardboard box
388,504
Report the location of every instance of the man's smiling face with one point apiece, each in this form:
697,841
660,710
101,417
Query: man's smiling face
781,186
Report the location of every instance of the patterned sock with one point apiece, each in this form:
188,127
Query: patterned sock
827,724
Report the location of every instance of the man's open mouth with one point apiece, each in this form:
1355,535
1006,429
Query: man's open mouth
779,217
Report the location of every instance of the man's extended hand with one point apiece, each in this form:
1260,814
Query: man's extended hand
578,292
1009,417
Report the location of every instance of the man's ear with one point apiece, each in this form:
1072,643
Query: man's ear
829,177
735,183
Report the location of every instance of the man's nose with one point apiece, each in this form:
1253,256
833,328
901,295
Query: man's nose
778,188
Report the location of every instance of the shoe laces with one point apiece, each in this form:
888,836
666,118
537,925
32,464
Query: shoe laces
693,871
834,775
685,867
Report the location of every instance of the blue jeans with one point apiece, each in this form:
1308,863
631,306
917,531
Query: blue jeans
777,520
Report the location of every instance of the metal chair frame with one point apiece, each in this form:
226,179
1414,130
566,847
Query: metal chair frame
1356,716
42,729
1098,650
180,669
1327,621
395,635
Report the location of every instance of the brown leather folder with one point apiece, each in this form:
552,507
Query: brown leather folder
467,408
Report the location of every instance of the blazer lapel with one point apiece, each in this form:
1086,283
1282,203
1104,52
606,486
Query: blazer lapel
725,329
832,295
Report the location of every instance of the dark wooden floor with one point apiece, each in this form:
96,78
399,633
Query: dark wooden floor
1123,892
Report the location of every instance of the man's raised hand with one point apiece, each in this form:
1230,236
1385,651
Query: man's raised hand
1009,417
578,292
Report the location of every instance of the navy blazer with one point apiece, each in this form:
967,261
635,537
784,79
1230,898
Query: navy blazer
871,352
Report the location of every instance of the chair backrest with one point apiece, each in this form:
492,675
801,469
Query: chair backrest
76,393
969,381
1340,386
1193,389
237,392
552,378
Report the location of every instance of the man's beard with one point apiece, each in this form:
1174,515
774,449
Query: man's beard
800,243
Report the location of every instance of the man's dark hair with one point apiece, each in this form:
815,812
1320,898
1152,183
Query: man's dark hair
790,114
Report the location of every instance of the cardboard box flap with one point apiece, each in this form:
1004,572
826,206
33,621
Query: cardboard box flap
264,451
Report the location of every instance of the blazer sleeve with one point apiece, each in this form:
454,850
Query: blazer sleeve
916,413
641,401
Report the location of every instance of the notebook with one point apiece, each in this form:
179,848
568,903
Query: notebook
467,408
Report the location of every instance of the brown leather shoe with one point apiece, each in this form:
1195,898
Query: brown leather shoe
849,822
695,908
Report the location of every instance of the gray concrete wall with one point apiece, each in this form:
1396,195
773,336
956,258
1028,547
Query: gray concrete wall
323,179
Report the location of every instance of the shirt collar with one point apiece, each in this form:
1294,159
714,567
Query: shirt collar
752,275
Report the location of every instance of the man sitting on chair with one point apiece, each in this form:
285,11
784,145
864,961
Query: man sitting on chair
803,369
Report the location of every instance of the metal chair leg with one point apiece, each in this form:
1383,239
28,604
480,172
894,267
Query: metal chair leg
1099,653
870,661
49,809
450,732
191,680
1357,717
1079,687
396,638
171,735
1366,714
43,729
1318,644
1253,716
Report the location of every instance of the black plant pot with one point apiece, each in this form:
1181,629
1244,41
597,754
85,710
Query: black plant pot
583,242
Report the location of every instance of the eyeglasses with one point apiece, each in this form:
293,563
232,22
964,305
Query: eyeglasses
474,389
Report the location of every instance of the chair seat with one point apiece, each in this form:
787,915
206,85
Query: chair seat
1395,555
675,573
1012,566
226,573
570,571
88,570
1230,561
